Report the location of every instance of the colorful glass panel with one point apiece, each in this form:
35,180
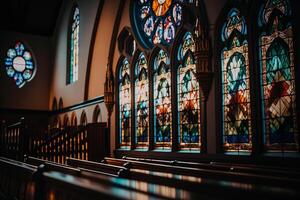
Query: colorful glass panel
188,106
187,44
19,64
278,76
74,47
236,109
189,128
141,102
162,102
125,104
156,21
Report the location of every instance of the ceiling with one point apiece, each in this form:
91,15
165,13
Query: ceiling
36,17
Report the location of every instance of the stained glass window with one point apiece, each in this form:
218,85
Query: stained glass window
162,101
156,21
278,76
141,102
188,96
74,47
125,104
236,110
19,64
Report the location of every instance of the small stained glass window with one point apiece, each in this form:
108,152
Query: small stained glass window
19,64
236,109
162,101
188,97
125,104
141,102
277,72
74,47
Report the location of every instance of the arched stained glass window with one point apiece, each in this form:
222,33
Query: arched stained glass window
162,101
236,110
277,74
74,48
156,21
125,104
188,96
19,64
141,102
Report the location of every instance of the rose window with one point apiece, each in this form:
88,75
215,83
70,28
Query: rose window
19,64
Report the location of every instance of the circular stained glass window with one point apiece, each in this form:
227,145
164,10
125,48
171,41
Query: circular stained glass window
156,21
19,64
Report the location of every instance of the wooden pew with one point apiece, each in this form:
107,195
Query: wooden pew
207,173
64,180
161,191
103,168
16,180
251,169
100,172
65,186
35,161
193,184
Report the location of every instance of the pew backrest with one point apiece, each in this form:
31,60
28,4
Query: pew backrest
16,180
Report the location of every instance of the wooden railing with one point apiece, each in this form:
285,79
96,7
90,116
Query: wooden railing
14,140
90,142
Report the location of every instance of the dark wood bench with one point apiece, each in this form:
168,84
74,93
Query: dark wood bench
185,183
16,180
55,181
64,186
103,168
100,172
34,161
130,185
230,167
207,173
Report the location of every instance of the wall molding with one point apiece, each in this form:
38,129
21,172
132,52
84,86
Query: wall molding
83,104
91,50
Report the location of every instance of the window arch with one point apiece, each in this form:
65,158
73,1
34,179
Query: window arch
66,121
19,64
277,76
124,85
73,119
54,104
83,118
56,122
188,96
97,117
141,85
236,108
73,48
160,72
162,100
60,103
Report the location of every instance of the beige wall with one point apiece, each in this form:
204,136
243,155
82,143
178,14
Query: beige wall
34,94
72,93
101,48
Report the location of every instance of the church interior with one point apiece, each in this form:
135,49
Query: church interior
149,99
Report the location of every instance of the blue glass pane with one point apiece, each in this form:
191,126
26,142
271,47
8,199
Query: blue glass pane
278,87
19,64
